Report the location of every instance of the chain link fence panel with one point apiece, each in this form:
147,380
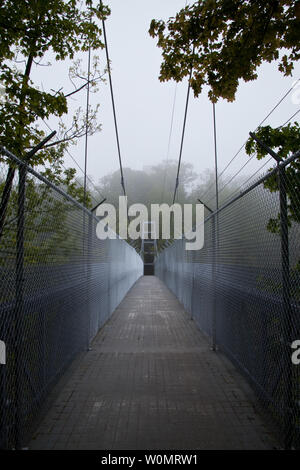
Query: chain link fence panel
59,285
242,290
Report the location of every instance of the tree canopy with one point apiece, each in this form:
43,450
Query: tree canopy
219,42
224,41
285,141
29,30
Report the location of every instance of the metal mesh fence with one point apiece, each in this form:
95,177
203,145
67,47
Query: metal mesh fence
242,289
59,284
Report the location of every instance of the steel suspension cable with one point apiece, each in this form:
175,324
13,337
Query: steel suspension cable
262,122
169,143
87,127
113,103
183,133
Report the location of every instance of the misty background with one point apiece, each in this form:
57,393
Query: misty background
149,147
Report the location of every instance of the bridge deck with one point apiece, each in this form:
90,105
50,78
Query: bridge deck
152,382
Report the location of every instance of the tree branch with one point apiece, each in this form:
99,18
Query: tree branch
83,86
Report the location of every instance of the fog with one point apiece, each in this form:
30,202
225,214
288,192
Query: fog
144,105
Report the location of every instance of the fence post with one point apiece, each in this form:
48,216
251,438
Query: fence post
89,260
287,317
214,236
214,280
19,305
88,277
287,320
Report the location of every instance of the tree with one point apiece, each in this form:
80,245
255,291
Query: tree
29,30
285,141
49,238
226,40
206,185
155,185
222,41
49,235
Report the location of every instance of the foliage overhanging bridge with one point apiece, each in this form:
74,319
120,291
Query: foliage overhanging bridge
96,355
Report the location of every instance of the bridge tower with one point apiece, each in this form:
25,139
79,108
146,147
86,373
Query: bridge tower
149,247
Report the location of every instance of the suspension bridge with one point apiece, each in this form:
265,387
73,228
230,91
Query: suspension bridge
104,349
123,360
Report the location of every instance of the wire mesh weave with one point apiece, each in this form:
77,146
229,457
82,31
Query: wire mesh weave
59,285
242,289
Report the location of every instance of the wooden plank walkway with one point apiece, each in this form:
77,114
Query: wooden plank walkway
152,382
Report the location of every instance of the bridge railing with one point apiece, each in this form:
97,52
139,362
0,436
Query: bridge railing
59,285
242,288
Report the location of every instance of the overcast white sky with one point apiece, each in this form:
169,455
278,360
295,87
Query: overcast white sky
144,105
